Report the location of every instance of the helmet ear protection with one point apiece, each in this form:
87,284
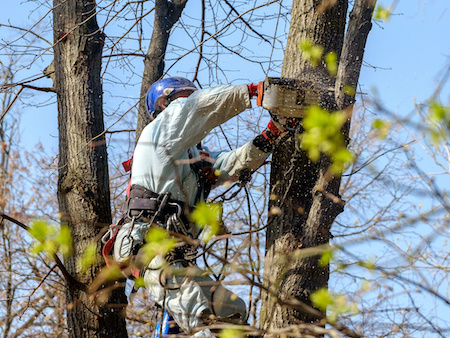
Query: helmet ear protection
165,88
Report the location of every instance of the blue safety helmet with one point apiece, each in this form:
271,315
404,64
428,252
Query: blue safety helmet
165,88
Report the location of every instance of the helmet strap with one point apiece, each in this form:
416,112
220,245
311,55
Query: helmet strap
169,100
159,109
156,112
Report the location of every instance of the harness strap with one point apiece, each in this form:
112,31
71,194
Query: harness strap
107,248
145,205
125,267
144,202
150,204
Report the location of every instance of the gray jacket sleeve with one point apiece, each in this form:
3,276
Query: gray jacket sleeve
231,163
186,121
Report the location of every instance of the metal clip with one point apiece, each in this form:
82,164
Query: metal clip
176,222
129,211
128,236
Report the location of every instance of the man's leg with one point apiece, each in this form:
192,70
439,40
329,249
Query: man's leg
222,302
181,296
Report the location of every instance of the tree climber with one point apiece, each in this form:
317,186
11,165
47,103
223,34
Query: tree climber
171,172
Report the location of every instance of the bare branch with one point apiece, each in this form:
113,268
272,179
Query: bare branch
71,281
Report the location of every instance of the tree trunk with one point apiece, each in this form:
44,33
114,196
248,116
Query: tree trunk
302,192
167,14
83,183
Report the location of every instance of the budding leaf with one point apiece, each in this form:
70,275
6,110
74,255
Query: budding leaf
321,299
382,127
232,333
208,215
382,13
89,257
326,258
158,242
331,62
65,240
311,52
50,238
323,135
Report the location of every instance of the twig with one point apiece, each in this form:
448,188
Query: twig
36,288
120,131
221,30
11,103
200,54
41,89
246,23
71,281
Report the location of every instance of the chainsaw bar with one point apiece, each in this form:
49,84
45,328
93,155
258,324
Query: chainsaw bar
291,97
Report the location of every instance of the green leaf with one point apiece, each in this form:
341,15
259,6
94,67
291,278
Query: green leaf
323,135
382,127
331,62
349,90
40,230
321,299
232,333
333,304
382,13
158,242
311,52
326,258
50,238
439,116
208,215
37,248
139,282
89,257
437,112
340,159
65,240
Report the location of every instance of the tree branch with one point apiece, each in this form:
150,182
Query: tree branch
11,103
71,281
246,23
359,25
200,53
166,15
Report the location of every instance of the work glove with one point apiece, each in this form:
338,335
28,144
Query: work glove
256,90
278,126
273,131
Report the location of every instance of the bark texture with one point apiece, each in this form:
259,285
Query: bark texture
83,184
167,14
305,194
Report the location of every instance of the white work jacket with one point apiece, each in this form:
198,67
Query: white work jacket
161,160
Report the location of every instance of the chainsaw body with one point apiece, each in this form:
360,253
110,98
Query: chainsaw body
291,97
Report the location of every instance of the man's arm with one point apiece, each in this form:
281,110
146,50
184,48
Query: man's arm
250,156
186,121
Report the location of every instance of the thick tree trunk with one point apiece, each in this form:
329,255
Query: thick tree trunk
300,224
307,194
83,185
167,14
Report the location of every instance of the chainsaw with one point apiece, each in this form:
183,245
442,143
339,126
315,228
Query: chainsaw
290,97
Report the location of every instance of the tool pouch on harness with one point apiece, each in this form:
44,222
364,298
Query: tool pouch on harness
129,240
146,209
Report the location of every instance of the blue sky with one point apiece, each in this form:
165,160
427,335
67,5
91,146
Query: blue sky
410,51
406,56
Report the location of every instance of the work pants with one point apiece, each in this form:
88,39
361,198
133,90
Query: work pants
184,292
